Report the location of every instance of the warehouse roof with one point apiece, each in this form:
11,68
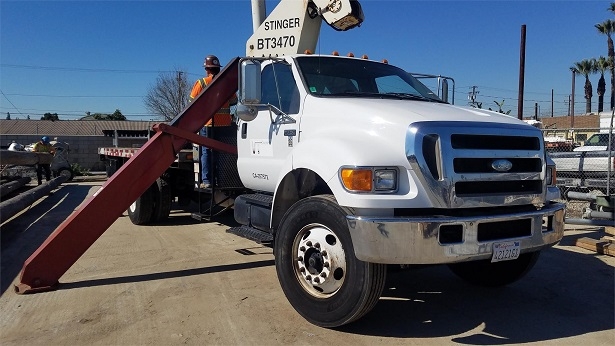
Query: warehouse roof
591,121
71,127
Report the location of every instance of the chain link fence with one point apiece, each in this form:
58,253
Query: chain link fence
584,163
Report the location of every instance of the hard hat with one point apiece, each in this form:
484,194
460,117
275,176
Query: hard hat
45,139
211,61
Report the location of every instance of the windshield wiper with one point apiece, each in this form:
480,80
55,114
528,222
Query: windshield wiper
399,96
414,97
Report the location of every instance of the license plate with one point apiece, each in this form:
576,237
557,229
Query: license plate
505,251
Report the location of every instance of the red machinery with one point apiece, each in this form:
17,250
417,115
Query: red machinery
75,235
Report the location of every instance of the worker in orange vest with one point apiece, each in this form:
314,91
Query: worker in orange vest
221,118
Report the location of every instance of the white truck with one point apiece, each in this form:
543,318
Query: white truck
355,164
351,165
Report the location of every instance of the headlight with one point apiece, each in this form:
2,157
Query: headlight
369,179
386,180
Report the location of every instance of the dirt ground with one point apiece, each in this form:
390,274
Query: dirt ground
191,282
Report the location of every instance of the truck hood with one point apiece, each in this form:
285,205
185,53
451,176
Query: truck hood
404,112
375,131
591,148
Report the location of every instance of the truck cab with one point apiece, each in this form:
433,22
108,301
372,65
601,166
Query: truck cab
597,142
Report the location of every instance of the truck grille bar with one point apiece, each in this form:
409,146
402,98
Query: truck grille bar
469,164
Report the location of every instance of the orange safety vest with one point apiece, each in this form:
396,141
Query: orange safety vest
223,115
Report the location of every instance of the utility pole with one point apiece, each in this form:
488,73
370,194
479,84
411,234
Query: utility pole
551,103
521,73
472,95
574,71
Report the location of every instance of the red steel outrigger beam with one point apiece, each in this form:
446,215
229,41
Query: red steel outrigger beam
75,235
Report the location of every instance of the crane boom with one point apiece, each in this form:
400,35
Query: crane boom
294,25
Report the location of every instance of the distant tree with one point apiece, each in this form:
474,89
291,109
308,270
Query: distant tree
608,28
50,116
602,64
117,115
586,67
8,116
169,96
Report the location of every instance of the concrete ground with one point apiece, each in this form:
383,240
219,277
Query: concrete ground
188,282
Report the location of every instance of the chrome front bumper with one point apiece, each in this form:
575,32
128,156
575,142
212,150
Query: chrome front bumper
410,240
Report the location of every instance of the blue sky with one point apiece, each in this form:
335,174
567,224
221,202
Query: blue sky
70,57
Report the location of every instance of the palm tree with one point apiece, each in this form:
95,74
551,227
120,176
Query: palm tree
586,67
602,64
607,28
611,7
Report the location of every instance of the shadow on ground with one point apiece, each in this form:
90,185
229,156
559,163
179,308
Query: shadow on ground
22,235
566,294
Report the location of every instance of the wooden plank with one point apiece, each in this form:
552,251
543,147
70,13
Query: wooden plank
610,230
601,247
607,238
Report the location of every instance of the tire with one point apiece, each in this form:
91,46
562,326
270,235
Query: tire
487,274
162,200
316,266
140,212
65,172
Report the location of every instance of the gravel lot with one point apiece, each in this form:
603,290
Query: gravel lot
186,282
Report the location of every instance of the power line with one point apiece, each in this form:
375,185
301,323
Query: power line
75,96
17,109
79,69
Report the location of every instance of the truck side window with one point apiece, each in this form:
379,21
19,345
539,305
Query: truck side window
288,98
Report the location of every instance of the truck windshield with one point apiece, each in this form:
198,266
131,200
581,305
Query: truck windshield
341,77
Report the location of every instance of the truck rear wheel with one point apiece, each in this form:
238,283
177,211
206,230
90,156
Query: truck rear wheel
487,274
162,200
317,268
140,212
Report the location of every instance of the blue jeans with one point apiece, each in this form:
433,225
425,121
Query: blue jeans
204,160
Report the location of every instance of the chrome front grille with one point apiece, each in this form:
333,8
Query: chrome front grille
469,164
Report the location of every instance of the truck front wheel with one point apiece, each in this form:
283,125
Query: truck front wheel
487,274
317,268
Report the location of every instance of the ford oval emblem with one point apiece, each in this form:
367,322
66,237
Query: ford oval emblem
501,165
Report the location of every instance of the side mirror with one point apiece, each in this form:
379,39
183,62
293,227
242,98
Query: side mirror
444,90
246,113
250,82
249,89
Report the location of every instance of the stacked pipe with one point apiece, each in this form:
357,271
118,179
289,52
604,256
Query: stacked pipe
11,207
591,217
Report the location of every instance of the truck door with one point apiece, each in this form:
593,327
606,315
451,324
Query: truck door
265,143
